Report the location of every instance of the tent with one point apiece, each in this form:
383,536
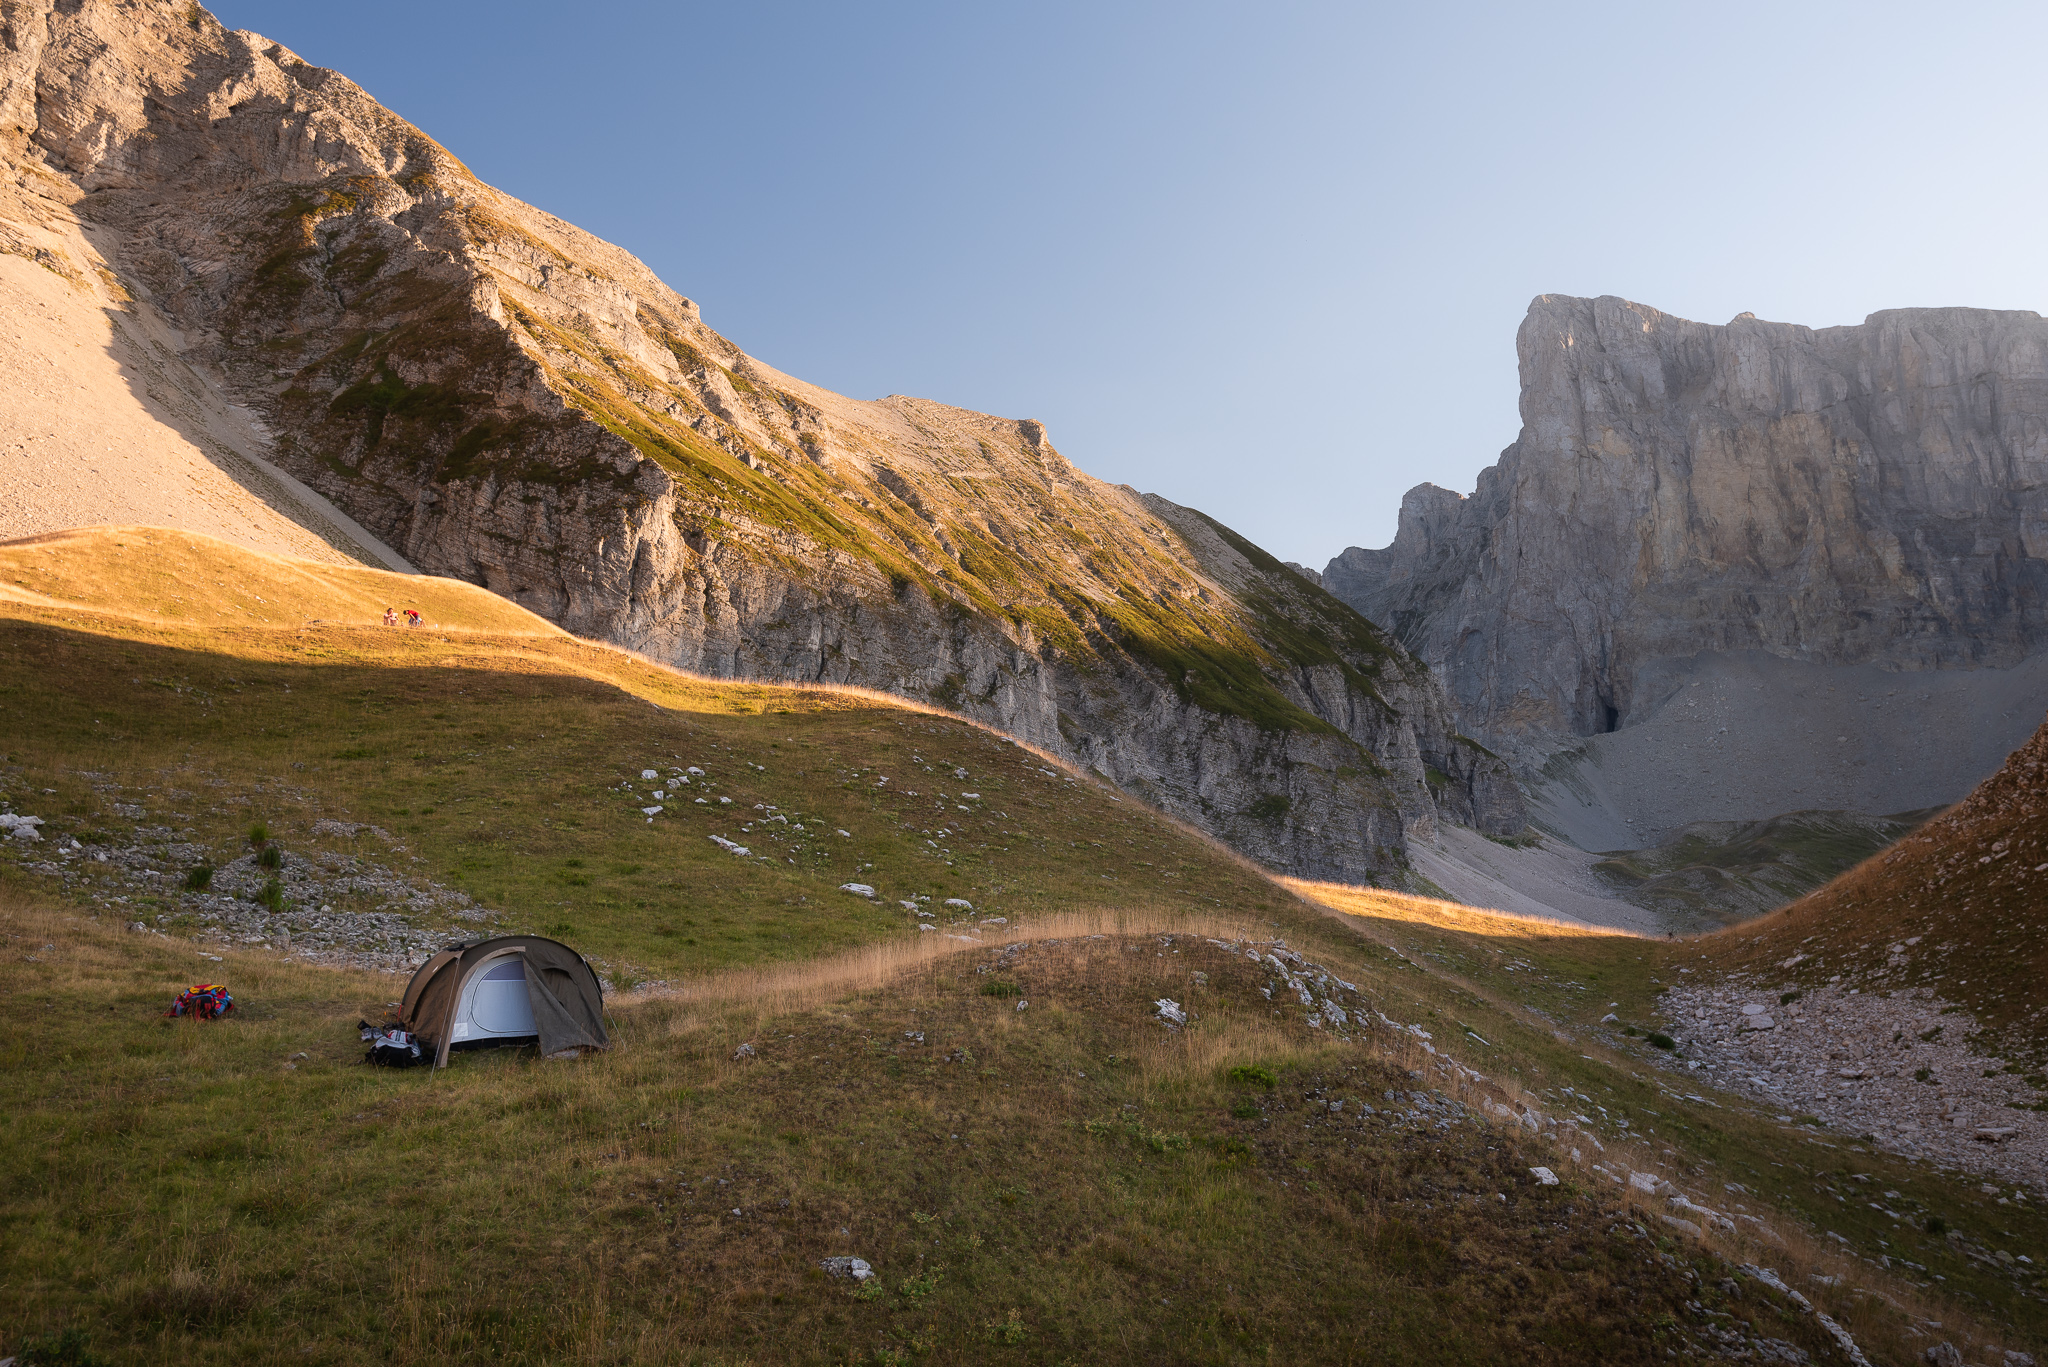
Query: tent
514,989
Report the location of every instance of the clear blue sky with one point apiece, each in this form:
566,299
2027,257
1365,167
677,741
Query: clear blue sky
1267,260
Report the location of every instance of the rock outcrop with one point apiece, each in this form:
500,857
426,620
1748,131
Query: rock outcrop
1874,494
1869,496
501,397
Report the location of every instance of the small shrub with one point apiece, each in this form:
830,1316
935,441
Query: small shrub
1787,998
259,834
1922,1074
1629,1030
1008,1333
558,928
1271,807
271,857
870,1289
1936,1225
199,878
1231,1153
1246,1109
915,1289
1662,1040
999,987
1252,1075
271,898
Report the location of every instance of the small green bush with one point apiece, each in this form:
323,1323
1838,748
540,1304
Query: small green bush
259,833
998,987
1662,1040
271,898
1008,1333
199,877
271,858
1252,1075
1936,1225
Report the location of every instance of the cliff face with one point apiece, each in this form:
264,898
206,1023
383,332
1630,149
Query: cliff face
506,399
1868,495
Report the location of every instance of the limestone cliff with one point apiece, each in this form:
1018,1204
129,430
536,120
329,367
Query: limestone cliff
504,398
1869,496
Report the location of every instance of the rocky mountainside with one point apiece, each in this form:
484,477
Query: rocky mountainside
503,398
1869,498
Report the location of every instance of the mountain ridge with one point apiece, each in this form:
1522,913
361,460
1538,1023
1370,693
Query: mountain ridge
1684,498
504,398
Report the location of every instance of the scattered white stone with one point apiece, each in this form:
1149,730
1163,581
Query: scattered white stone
856,1268
847,834
972,797
1609,1019
1544,1176
926,925
959,902
695,770
857,889
744,1051
1758,1023
660,795
1021,1004
725,844
1753,1009
908,906
650,811
650,773
725,802
703,802
1170,1011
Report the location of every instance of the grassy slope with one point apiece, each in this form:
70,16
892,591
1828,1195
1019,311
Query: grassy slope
1970,888
1557,983
170,1187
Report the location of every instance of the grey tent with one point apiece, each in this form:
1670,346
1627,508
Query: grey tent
515,989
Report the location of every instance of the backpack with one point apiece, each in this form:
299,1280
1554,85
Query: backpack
391,1048
203,1001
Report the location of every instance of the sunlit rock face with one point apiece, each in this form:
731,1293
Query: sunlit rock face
501,397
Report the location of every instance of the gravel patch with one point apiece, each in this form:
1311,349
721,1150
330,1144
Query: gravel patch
1894,1066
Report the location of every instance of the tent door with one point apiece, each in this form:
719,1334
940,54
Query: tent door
497,1005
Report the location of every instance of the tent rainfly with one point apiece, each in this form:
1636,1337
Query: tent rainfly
514,989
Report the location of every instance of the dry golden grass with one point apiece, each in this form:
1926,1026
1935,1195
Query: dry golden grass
157,575
1383,905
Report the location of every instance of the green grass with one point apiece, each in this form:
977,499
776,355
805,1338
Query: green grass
1049,1175
1069,1181
514,789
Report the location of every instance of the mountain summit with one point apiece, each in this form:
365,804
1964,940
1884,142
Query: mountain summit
1804,567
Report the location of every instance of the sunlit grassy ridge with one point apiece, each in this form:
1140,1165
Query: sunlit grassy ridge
1065,1182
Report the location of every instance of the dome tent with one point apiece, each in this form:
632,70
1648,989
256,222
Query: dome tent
513,989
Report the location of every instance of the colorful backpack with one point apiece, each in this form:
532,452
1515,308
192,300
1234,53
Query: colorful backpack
203,1001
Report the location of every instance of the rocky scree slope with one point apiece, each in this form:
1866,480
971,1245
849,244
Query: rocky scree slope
1902,999
1874,495
506,399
